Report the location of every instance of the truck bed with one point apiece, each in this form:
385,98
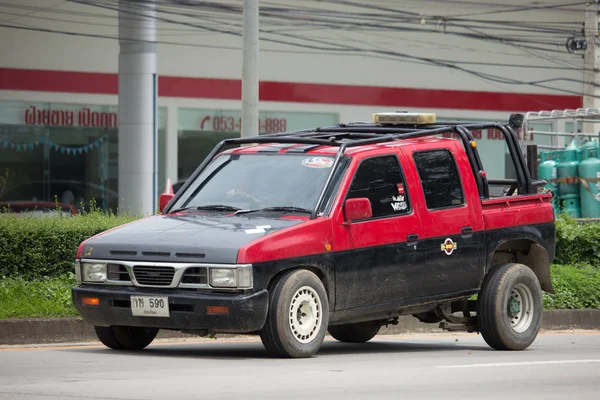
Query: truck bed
517,210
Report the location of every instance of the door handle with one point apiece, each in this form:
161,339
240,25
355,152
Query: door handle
412,240
466,232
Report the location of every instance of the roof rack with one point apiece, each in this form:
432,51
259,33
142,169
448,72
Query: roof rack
558,118
348,135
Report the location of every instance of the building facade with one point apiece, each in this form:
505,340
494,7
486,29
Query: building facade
59,122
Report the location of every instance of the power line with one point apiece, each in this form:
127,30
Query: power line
350,50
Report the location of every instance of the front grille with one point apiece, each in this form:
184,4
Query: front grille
117,272
154,276
195,275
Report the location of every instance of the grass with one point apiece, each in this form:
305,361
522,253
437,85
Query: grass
49,297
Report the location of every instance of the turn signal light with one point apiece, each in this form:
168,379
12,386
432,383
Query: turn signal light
219,310
90,301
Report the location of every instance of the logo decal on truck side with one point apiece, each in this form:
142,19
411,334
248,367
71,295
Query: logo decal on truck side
448,246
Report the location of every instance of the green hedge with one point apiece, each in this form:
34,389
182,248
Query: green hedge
33,248
577,243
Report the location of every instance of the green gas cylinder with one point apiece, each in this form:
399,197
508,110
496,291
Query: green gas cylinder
568,191
590,194
567,168
587,146
548,171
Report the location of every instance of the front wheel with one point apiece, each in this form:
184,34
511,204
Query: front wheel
510,307
125,337
298,316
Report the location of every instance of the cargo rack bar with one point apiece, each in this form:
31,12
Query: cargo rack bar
358,134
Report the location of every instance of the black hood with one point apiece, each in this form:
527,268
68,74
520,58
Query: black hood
197,238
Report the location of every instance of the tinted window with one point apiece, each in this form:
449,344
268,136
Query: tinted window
439,178
380,180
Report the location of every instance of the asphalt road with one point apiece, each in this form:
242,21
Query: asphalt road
446,366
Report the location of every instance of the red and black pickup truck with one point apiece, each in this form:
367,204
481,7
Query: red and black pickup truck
340,229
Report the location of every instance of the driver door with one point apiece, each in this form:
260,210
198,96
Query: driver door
381,261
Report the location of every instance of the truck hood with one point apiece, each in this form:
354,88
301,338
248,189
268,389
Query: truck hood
196,238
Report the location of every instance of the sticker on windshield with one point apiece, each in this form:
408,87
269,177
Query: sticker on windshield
318,162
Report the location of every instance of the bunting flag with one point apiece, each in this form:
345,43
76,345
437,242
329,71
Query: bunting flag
23,147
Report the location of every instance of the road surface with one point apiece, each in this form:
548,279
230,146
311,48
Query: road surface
445,366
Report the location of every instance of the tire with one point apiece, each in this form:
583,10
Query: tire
510,307
126,337
106,335
297,317
355,333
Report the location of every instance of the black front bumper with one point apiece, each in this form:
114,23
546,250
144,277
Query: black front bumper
188,310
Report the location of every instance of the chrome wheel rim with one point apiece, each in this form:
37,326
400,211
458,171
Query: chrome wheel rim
520,308
305,314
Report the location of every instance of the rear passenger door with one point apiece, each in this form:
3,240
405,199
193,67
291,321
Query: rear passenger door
377,259
452,220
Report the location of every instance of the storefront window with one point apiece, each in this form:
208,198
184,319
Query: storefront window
63,152
200,130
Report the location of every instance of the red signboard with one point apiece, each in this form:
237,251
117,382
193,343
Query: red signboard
82,118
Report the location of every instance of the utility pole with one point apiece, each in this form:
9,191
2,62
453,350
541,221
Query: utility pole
250,69
138,95
591,77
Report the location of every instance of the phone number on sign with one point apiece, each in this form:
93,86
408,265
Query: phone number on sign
232,124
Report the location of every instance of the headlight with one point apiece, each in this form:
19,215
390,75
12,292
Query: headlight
240,277
93,272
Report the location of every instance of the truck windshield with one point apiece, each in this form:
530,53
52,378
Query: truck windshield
257,181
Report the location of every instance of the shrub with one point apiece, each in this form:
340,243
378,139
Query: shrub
577,243
32,247
576,286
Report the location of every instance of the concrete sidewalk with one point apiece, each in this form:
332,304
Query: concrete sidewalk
71,330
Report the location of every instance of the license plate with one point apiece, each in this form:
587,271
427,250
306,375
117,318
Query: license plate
149,306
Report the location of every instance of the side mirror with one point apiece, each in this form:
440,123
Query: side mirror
359,208
165,198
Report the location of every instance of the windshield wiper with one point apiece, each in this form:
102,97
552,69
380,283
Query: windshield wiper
218,207
280,208
210,207
180,209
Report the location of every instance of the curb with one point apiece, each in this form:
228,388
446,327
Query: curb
75,330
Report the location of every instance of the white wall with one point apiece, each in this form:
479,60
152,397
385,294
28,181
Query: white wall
42,50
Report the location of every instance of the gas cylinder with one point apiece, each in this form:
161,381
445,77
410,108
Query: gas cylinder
589,167
568,191
548,171
567,168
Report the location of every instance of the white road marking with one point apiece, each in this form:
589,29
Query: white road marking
514,364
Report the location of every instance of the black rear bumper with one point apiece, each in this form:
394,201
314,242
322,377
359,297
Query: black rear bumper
188,310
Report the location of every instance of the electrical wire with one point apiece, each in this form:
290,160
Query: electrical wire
326,46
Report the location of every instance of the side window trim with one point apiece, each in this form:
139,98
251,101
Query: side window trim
458,174
411,209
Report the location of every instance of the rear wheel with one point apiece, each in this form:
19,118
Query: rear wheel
510,307
297,317
355,333
125,337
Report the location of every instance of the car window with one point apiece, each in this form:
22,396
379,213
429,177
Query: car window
251,181
439,178
380,179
